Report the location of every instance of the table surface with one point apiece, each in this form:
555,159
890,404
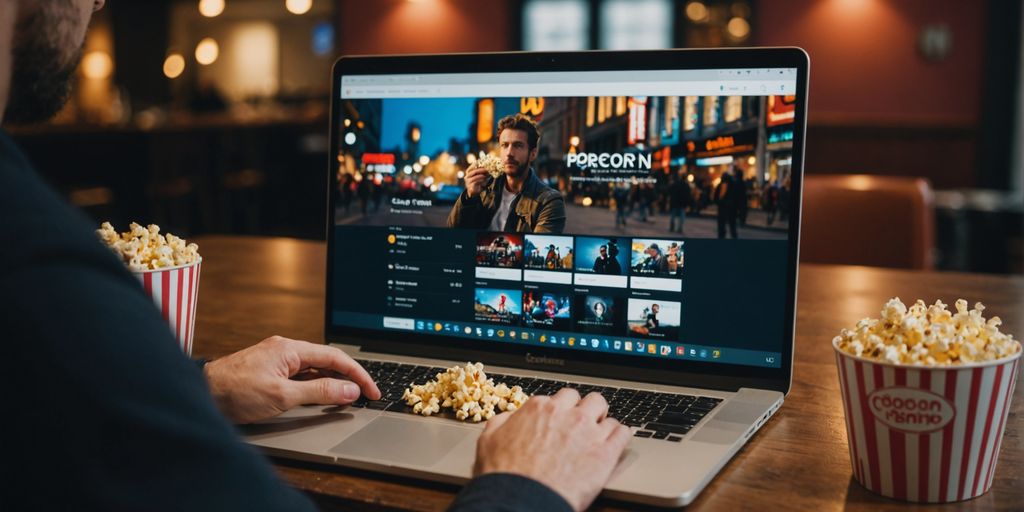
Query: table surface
253,288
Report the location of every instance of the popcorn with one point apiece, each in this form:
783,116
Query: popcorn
924,335
467,391
144,248
495,167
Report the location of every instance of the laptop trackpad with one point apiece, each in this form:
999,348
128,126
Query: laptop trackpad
404,442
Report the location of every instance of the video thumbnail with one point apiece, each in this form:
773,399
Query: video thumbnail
656,258
499,250
654,318
602,255
599,314
497,306
542,308
545,252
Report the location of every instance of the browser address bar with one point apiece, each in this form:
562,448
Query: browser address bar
569,89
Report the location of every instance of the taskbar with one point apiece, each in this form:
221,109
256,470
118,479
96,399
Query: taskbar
577,341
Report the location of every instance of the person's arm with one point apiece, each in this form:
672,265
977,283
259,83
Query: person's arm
551,218
467,209
507,492
106,399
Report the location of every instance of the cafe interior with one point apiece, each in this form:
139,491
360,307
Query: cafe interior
210,119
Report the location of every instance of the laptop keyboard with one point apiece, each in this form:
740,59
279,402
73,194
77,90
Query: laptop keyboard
655,415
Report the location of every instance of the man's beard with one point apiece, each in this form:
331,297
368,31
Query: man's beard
520,171
41,69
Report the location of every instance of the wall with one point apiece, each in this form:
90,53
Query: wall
864,59
425,26
876,105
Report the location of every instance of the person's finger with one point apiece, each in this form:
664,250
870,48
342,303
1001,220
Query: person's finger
594,406
330,358
323,391
497,421
619,436
566,397
606,428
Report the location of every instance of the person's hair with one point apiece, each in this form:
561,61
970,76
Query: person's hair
522,123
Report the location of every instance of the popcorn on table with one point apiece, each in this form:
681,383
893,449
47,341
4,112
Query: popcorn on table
144,248
923,335
495,167
468,391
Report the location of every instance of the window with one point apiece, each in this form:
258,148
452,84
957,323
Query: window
690,113
733,108
556,25
635,24
710,110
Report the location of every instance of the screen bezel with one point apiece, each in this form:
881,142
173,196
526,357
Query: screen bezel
635,368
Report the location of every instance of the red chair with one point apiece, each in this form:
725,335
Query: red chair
881,221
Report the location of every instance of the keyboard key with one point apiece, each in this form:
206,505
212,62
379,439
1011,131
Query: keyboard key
643,433
679,419
660,434
675,439
673,429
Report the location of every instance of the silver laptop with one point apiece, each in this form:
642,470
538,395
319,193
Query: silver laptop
650,253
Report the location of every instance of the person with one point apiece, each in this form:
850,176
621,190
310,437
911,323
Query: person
726,196
106,411
516,201
654,263
771,200
599,310
652,318
552,260
621,195
606,263
567,259
679,199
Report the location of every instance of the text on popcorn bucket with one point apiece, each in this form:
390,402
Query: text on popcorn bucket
910,410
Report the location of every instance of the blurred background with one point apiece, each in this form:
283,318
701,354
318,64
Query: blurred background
211,116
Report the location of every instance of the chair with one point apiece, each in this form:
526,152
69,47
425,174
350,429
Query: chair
882,221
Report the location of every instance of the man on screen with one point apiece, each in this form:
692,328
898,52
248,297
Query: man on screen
605,263
516,200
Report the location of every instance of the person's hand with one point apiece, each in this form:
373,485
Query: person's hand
278,373
476,180
565,443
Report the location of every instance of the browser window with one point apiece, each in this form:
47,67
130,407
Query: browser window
640,213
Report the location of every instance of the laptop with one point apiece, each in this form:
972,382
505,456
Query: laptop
649,251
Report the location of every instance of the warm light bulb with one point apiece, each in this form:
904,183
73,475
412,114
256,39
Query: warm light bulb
738,28
298,6
97,65
174,65
211,8
207,51
696,11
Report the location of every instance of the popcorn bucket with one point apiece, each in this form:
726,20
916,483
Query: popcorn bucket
925,434
175,292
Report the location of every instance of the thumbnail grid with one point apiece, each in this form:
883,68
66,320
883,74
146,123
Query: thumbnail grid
576,283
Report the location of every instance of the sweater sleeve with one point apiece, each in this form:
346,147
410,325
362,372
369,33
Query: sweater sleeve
507,492
105,411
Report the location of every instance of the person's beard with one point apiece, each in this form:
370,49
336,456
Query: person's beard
520,170
41,68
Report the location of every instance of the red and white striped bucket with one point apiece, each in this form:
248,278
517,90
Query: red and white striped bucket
175,292
925,434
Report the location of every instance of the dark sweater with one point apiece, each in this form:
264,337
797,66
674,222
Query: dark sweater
103,411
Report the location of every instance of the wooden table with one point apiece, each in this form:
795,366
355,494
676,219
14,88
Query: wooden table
256,287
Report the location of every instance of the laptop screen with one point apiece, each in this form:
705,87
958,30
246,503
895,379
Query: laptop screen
641,214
